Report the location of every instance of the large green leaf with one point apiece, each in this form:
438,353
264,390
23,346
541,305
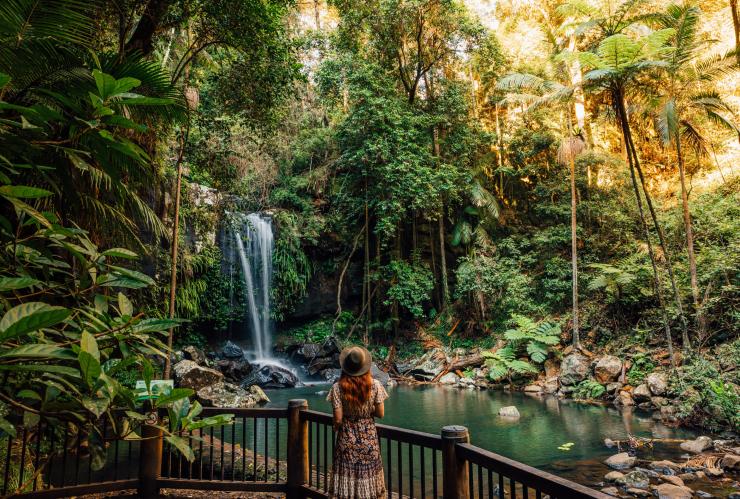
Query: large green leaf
155,325
182,445
12,283
27,317
120,253
89,344
39,351
24,192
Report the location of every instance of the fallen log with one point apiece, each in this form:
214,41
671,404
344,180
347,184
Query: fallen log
461,364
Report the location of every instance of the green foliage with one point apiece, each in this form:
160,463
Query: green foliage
535,337
589,389
292,267
642,365
627,283
708,397
320,330
411,285
503,363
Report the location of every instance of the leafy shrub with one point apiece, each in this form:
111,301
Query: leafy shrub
642,365
503,363
319,330
536,337
589,389
411,285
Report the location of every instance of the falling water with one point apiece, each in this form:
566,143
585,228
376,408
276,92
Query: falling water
256,259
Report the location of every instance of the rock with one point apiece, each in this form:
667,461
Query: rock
612,388
670,491
377,373
609,442
271,376
641,393
234,370
668,413
552,368
714,472
607,369
621,461
304,353
666,467
331,375
259,395
613,476
428,366
232,351
574,369
649,473
195,354
230,395
672,479
659,401
637,492
657,383
701,493
720,444
687,477
700,475
625,399
533,389
611,491
449,379
697,446
551,385
188,374
509,412
730,462
635,480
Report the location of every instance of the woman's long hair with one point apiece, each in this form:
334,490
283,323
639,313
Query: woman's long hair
355,390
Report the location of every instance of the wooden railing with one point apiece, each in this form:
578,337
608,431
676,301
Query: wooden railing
288,451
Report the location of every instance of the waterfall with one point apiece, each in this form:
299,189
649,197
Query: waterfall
255,244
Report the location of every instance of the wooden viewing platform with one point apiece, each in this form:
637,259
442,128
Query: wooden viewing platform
275,450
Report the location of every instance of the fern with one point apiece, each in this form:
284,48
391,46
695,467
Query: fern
535,337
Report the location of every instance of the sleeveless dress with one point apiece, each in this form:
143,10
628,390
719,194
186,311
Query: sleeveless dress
357,471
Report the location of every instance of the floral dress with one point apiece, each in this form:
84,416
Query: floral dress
357,471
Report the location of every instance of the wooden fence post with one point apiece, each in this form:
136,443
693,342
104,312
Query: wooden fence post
150,461
454,468
297,448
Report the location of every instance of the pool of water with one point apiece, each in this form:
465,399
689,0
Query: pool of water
545,424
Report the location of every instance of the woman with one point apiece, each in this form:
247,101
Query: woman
357,472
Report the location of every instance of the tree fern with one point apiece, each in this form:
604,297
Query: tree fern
535,337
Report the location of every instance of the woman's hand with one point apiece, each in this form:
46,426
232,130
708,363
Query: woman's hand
337,420
337,426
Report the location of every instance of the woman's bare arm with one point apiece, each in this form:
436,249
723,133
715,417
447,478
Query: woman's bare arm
337,419
379,410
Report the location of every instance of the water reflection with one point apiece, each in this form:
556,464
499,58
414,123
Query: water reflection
545,424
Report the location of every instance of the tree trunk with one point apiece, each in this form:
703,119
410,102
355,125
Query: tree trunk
443,261
150,22
579,99
366,284
574,249
624,124
661,239
736,25
689,238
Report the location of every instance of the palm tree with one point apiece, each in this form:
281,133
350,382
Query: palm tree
97,158
689,92
617,62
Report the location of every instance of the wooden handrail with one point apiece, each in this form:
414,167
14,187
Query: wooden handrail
528,475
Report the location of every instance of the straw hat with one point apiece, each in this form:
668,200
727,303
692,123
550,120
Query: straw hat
355,361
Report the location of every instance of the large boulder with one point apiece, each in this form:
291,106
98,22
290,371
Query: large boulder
621,461
635,479
574,369
624,399
271,376
232,351
731,462
304,353
657,382
697,446
195,354
377,373
607,369
449,379
552,368
188,374
230,395
331,375
670,491
234,370
641,393
428,366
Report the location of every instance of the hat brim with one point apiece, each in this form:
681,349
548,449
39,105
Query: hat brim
363,368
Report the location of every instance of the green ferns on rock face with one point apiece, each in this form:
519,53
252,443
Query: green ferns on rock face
503,363
589,389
